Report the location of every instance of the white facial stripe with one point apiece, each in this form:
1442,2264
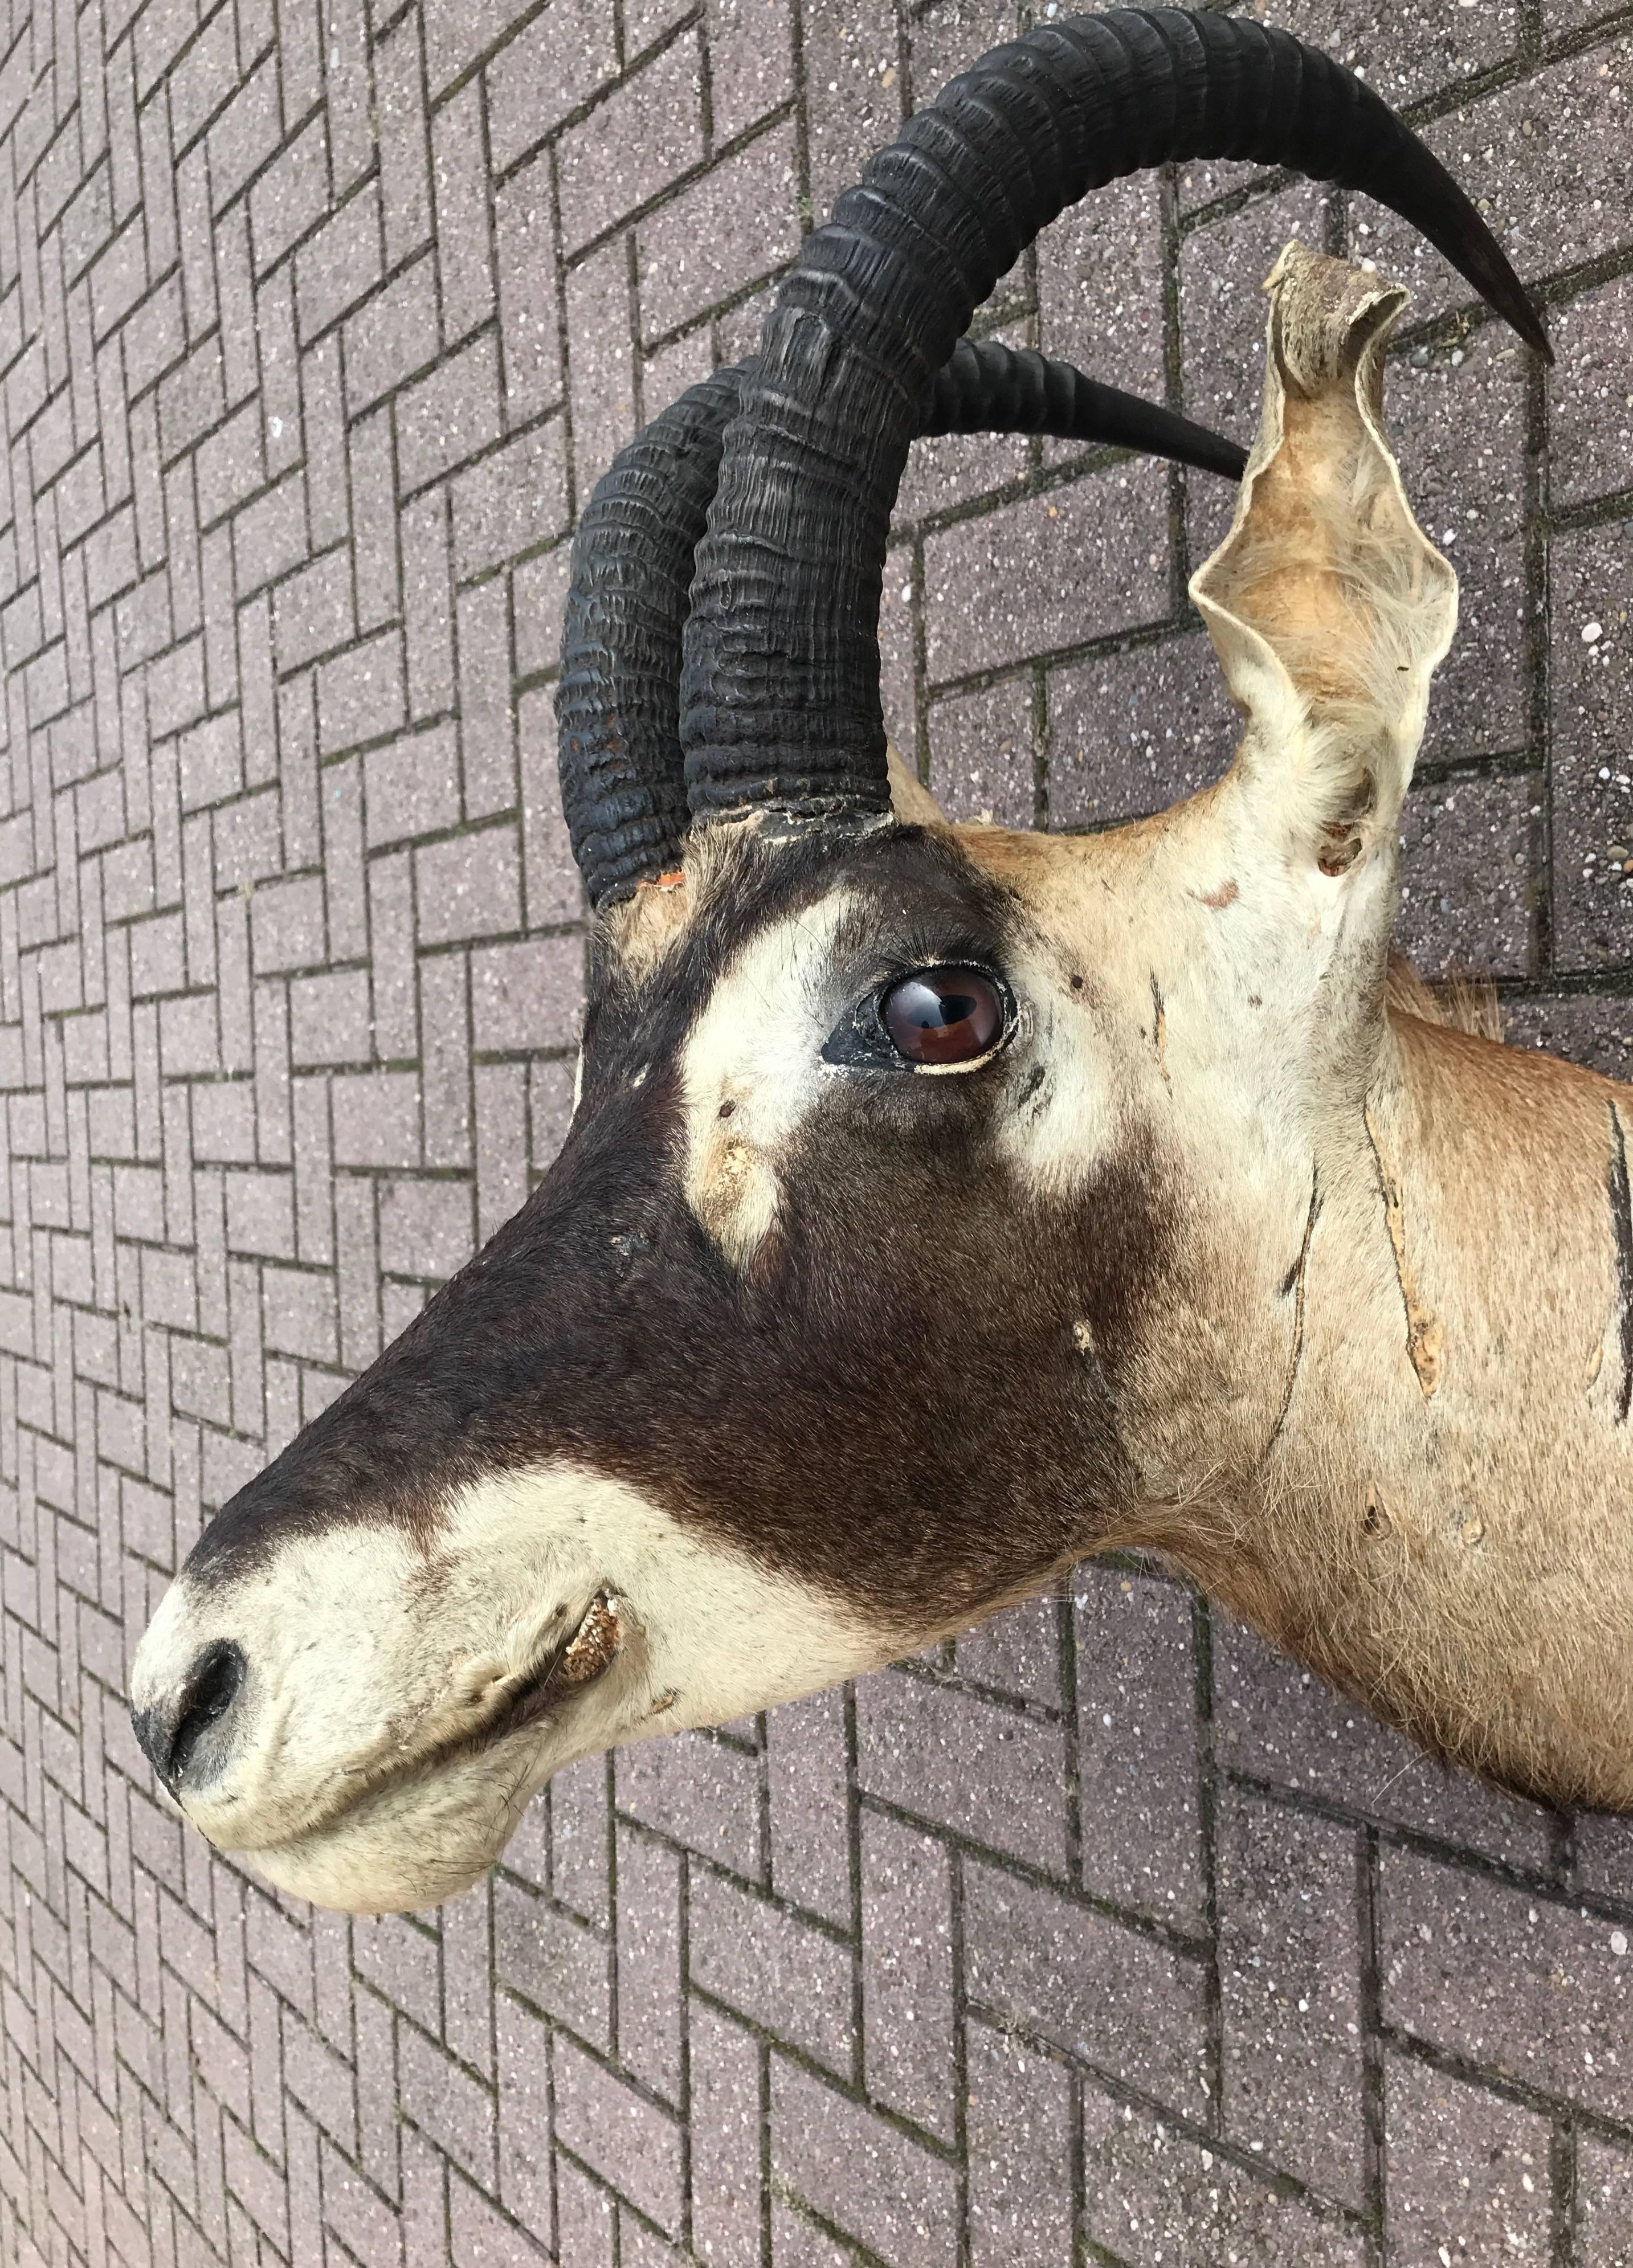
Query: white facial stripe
751,1069
1058,1135
392,1653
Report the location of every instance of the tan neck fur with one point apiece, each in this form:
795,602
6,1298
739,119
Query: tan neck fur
1442,1526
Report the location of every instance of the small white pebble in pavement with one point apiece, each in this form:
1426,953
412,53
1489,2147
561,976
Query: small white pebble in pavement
1592,633
1618,1942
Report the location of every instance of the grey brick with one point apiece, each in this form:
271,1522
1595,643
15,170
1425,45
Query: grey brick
1139,1782
951,470
1549,159
404,140
524,2119
552,65
425,1227
460,174
393,337
632,144
1019,2109
1124,2002
523,249
617,2131
1590,417
1151,2189
726,2118
854,92
982,758
411,787
1520,1984
649,1935
361,694
469,886
455,35
1604,2204
772,1967
449,416
1458,424
908,1984
985,1770
736,224
699,1791
290,196
1589,573
1290,1969
312,613
751,63
1099,286
1466,2169
448,2104
599,320
1018,1651
510,502
805,1766
1015,581
860,2172
1279,1723
563,1967
1470,882
1134,731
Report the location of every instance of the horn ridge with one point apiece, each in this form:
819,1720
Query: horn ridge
987,386
618,740
780,678
631,564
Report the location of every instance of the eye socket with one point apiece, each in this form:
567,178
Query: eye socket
943,1016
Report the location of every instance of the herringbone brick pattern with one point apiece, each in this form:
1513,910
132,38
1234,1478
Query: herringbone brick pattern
1104,1936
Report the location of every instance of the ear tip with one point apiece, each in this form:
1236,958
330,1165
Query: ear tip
1326,315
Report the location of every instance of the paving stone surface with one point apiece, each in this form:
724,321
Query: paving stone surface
1102,1935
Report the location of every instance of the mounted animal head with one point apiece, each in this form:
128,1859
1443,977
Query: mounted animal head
929,1207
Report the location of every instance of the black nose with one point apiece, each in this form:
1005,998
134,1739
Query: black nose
169,1735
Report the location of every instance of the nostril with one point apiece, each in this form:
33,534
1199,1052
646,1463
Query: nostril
212,1686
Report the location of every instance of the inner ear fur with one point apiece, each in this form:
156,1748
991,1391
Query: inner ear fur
1327,606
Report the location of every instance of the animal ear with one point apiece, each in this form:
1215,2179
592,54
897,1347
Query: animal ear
1326,604
910,798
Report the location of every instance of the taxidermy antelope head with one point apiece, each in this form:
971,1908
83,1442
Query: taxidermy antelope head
943,1204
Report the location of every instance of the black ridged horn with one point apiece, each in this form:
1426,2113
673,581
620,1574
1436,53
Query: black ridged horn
618,702
987,388
779,696
617,711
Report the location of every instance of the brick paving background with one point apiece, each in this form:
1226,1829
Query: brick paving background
1104,1936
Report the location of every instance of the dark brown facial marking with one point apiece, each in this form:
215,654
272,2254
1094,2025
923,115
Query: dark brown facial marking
944,1016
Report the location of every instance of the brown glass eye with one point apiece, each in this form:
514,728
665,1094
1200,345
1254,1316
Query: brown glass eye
943,1016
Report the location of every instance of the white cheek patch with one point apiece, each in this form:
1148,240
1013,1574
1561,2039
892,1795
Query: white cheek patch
371,1662
1058,1133
750,1070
